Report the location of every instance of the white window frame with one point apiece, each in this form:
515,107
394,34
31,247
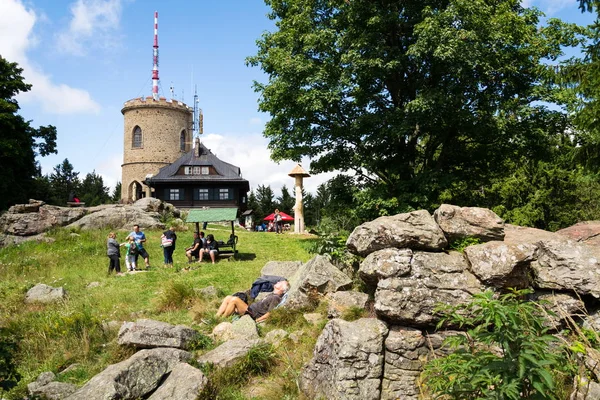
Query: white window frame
203,194
223,194
174,194
187,170
205,171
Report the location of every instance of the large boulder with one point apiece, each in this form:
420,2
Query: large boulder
567,265
463,222
386,263
42,293
500,264
184,383
147,333
119,217
32,206
559,307
339,302
229,352
587,232
133,378
347,361
414,230
407,350
33,223
434,278
315,278
281,268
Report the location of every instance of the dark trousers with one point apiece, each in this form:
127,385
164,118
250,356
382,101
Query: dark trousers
115,263
168,253
279,227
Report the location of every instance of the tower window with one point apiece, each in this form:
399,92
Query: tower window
182,146
137,138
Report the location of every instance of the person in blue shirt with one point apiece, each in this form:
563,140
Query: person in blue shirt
140,239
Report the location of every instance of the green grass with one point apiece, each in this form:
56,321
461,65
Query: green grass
52,337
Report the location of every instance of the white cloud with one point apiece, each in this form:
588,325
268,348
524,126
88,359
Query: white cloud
253,158
16,38
91,22
110,170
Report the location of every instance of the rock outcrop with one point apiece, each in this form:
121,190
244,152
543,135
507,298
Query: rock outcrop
415,230
42,293
348,361
147,333
133,378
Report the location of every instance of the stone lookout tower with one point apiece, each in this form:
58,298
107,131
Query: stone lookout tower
157,132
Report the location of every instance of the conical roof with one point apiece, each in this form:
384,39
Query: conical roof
298,171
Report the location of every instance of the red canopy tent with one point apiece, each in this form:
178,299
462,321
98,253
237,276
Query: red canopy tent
284,217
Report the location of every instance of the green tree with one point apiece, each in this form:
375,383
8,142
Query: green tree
20,143
286,201
423,100
265,200
116,194
64,181
92,190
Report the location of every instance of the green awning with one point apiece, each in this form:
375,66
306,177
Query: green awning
212,215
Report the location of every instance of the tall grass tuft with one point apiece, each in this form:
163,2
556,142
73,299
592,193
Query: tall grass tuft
176,295
224,383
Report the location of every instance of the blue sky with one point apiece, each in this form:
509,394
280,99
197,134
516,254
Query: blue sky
85,58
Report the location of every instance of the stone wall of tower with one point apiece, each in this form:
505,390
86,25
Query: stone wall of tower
161,123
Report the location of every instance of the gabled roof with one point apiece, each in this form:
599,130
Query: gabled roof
226,172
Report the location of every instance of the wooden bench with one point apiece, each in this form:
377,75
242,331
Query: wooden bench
230,246
75,204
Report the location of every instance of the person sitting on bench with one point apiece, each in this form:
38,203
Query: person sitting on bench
211,248
260,310
194,250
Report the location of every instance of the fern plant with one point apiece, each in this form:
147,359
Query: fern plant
505,354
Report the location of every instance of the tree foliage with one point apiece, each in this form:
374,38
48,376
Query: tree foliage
20,143
65,181
423,101
286,201
506,352
92,190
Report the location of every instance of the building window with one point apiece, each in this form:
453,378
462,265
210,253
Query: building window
187,170
224,194
175,194
182,146
204,170
196,170
137,138
202,194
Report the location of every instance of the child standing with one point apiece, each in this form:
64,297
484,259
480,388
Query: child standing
132,252
114,253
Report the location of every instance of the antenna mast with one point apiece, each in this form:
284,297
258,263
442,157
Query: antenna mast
155,59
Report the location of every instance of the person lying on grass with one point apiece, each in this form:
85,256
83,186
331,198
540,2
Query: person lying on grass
259,310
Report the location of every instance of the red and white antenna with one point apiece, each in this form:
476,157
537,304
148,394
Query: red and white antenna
155,59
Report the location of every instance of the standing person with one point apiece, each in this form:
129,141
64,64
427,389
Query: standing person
278,222
114,253
132,253
168,239
211,248
194,249
140,239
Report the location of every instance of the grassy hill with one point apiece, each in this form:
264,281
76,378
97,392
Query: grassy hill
77,331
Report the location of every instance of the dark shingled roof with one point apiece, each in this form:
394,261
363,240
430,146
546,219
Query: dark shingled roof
226,172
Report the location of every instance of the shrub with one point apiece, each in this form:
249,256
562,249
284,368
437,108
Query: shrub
9,377
461,244
353,313
176,295
224,382
505,354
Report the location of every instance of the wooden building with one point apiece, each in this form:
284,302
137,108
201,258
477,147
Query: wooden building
198,179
